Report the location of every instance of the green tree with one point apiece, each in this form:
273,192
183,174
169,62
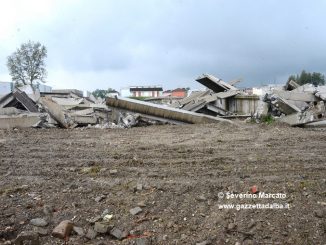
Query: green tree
102,93
27,64
314,78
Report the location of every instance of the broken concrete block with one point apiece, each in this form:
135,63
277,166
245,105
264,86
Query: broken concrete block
91,234
41,231
39,222
27,236
113,171
139,187
135,211
63,230
78,230
143,241
315,113
100,198
95,219
290,85
101,227
321,95
107,217
20,121
285,106
118,234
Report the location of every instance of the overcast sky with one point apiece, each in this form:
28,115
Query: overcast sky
116,43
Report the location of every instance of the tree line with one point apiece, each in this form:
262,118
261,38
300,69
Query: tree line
314,78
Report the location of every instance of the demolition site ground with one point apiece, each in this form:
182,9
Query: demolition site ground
179,177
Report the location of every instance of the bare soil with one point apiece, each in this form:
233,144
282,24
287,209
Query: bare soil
180,171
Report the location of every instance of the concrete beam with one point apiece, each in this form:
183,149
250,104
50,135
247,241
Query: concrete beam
162,111
57,113
319,124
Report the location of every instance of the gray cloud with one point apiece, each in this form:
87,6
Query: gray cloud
120,43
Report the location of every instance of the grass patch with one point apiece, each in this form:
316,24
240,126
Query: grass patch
269,119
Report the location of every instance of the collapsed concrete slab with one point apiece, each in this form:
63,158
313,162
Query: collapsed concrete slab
160,111
19,100
296,96
285,106
313,114
214,83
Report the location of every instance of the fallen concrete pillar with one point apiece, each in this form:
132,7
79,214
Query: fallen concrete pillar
57,113
161,111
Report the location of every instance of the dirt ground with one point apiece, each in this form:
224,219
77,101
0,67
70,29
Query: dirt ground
176,174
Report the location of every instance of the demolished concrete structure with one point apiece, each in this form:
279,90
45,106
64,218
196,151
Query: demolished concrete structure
59,108
297,105
220,99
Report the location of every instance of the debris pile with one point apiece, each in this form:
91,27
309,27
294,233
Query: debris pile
220,99
54,109
298,105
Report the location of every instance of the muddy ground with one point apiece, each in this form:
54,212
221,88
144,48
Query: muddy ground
175,174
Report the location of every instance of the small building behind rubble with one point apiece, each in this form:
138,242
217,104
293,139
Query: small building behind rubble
178,92
142,91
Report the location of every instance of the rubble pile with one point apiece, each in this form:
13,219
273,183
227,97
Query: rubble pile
51,109
220,99
297,105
